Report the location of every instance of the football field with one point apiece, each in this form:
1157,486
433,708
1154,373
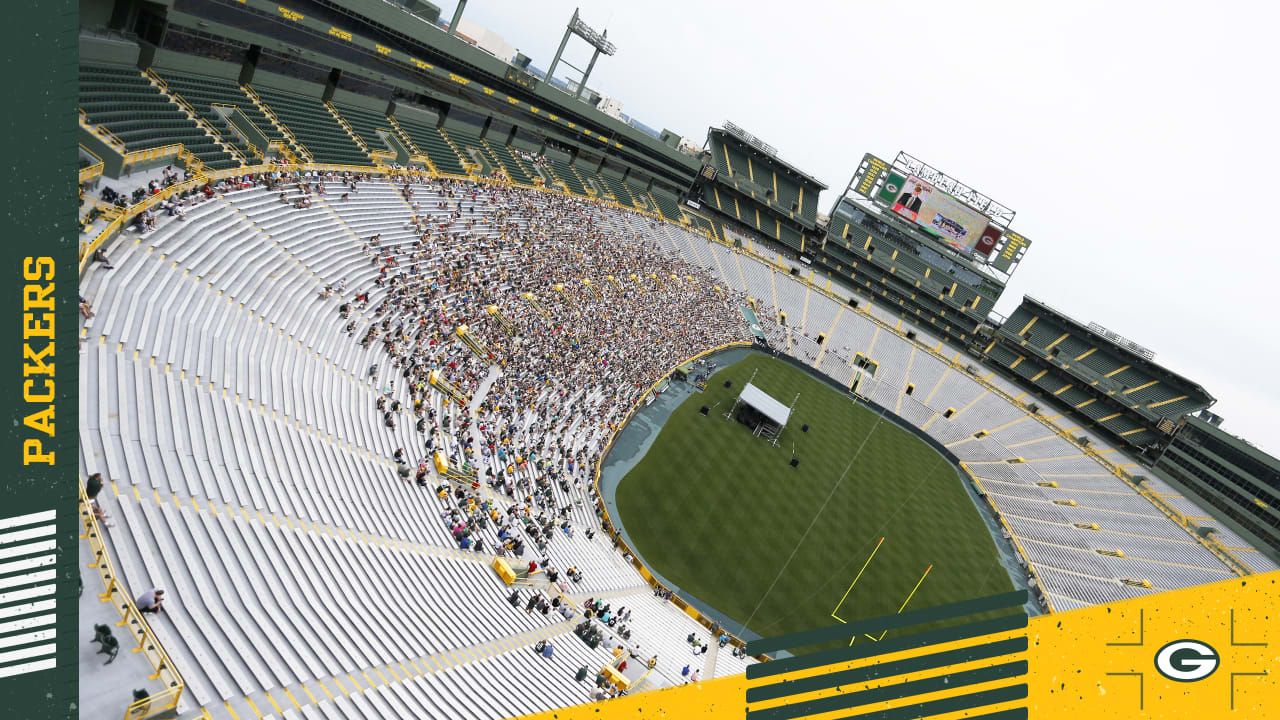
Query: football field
724,516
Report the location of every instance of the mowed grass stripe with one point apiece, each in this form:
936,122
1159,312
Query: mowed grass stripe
718,512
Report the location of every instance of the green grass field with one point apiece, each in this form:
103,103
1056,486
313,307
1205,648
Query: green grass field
723,515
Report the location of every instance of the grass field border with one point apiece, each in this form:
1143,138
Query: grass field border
963,474
607,522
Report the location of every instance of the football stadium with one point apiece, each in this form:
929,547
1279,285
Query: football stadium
419,382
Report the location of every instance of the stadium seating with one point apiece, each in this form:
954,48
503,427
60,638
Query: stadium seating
515,169
667,207
252,469
203,92
565,172
619,190
310,122
467,141
138,113
365,123
226,403
428,139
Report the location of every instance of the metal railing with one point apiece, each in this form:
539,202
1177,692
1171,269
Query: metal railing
100,131
92,171
271,115
148,644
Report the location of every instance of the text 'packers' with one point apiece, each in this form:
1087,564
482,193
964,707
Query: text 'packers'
37,357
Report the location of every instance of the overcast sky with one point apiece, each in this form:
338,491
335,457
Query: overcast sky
1129,137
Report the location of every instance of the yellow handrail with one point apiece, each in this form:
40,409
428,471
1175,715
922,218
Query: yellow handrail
150,154
94,170
148,644
91,172
271,115
102,132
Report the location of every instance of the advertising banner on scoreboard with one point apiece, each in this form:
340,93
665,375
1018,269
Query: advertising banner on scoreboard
987,242
950,220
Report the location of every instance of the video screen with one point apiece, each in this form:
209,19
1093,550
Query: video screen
950,220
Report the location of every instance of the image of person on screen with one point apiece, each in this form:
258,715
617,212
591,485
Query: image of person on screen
910,201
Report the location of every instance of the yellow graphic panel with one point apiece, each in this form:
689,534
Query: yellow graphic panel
1101,662
1209,651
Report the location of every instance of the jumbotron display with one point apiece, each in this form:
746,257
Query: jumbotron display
950,220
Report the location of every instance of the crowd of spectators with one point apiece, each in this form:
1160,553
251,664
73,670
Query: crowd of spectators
557,363
574,315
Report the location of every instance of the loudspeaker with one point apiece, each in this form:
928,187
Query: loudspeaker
705,410
821,338
728,383
795,271
853,303
795,462
804,428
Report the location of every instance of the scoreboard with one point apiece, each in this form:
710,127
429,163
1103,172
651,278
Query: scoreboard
950,213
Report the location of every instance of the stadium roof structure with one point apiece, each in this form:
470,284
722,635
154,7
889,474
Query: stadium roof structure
1128,349
768,150
765,405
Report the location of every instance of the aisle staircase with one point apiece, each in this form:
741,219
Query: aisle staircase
181,102
301,149
418,154
354,136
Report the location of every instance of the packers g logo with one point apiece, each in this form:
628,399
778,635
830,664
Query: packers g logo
1187,660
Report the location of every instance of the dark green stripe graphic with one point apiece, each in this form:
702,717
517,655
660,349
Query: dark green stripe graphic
955,704
40,635
884,647
888,622
885,670
892,692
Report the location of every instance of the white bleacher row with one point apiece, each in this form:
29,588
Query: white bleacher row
1256,561
1144,532
532,682
216,377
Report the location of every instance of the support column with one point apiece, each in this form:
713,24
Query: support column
583,85
563,41
457,16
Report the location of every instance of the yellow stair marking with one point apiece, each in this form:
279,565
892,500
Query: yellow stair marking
1028,442
911,359
1117,371
935,387
1140,387
971,402
1049,347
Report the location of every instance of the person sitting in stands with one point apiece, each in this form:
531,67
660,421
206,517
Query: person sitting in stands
100,255
151,601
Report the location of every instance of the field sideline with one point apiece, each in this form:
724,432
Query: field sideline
723,515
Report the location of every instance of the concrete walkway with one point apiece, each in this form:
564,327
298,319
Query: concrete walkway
106,690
